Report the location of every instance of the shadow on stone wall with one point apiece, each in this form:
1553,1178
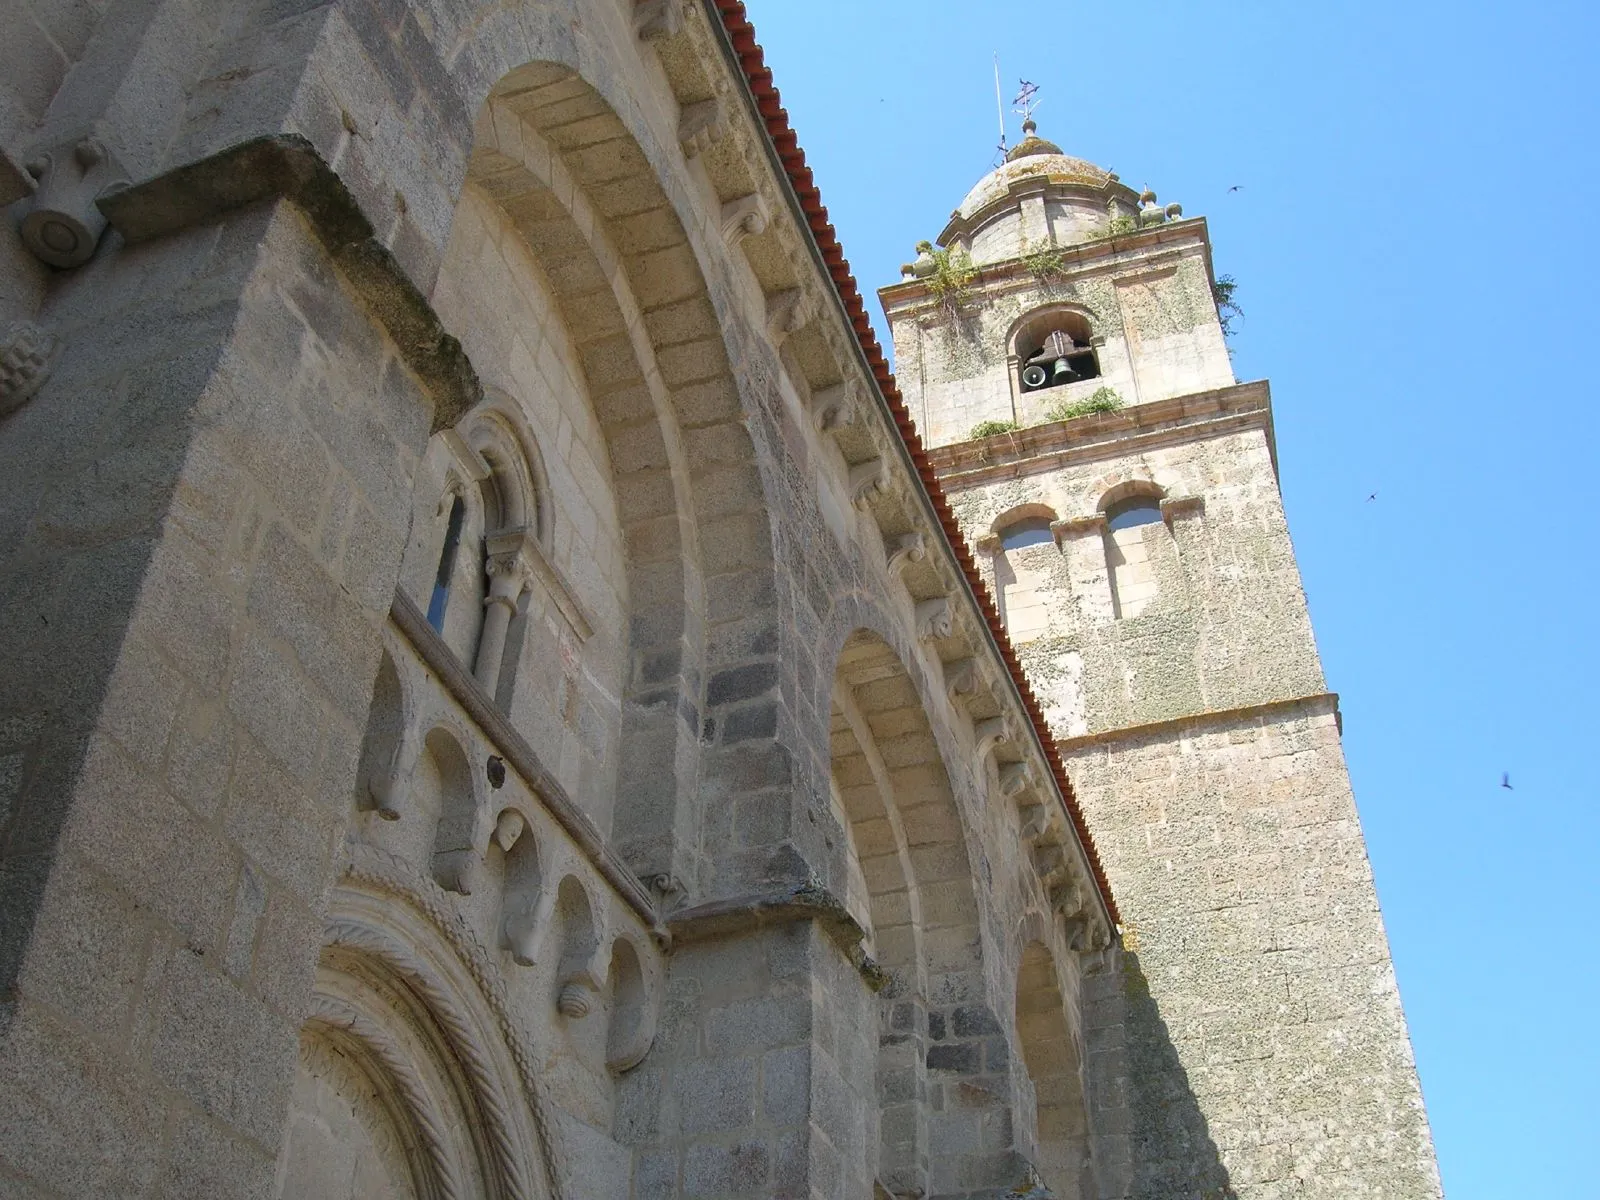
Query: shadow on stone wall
1152,1139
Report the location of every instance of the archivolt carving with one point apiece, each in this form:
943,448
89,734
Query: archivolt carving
353,929
344,1020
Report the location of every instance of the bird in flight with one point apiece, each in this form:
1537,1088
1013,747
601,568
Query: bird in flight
1237,187
1505,781
1372,497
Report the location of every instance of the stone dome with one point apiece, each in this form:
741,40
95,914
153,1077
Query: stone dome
1073,197
1033,157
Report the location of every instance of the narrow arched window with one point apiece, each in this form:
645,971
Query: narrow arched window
1129,557
1023,577
447,562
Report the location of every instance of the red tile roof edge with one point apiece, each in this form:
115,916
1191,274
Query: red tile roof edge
742,36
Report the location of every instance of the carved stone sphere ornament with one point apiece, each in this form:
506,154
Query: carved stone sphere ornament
64,226
26,356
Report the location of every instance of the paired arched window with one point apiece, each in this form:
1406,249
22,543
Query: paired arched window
1131,526
1054,349
495,524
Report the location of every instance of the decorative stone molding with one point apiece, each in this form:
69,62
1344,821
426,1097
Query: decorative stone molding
835,408
1078,527
748,216
933,618
700,126
867,481
1035,821
579,996
1178,508
508,829
788,312
655,19
27,354
987,543
470,462
905,549
15,182
64,226
990,732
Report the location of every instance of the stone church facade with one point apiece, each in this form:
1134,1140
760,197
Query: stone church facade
497,699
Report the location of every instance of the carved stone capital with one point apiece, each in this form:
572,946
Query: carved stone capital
700,125
748,216
64,226
788,312
835,408
1079,527
933,618
653,19
867,480
905,549
508,563
27,354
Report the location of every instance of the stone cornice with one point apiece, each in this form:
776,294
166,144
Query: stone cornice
1132,430
1315,705
288,167
458,682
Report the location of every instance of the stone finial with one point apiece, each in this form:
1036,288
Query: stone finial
867,480
27,354
700,125
747,216
905,549
655,19
933,618
924,264
64,226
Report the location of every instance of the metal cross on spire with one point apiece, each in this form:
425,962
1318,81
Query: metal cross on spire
1026,100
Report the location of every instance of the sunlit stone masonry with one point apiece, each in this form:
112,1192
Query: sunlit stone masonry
495,700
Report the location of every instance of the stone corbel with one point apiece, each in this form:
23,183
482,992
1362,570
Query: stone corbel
788,312
961,678
835,408
580,991
700,126
27,354
990,732
509,827
64,226
905,549
867,480
748,216
1078,527
933,618
1035,821
654,19
1017,780
1053,867
1178,508
987,543
524,924
15,182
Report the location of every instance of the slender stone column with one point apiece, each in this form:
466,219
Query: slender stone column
508,579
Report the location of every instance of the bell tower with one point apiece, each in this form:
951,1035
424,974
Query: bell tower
1064,356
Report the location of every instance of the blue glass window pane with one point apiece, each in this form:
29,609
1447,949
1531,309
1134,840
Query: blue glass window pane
1033,532
1133,512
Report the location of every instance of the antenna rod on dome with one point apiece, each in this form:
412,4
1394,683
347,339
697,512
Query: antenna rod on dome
999,104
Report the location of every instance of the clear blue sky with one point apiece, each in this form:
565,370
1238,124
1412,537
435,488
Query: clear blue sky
1415,246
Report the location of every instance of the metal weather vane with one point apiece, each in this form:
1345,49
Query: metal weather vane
1026,100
